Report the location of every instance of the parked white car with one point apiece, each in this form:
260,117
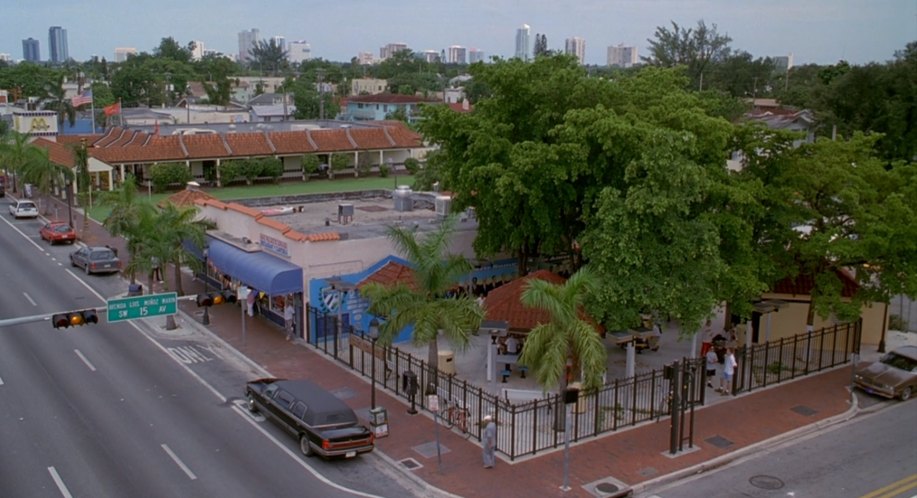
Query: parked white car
24,209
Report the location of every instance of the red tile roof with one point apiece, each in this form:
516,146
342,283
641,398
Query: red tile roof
57,153
189,197
391,273
504,302
121,146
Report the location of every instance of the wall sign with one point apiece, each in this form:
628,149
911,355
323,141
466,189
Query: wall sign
275,246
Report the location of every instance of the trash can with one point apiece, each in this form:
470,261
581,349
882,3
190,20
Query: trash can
134,290
580,406
446,362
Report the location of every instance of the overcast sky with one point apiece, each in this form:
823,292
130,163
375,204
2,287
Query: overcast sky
815,31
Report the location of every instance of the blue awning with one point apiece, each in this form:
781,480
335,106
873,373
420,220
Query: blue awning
259,270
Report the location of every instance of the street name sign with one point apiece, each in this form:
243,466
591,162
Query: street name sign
132,308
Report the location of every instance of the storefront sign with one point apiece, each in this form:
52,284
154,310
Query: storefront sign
275,246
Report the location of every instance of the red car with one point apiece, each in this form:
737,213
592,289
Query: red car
58,231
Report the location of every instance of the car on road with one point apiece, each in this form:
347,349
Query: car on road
96,260
24,209
893,376
58,231
323,424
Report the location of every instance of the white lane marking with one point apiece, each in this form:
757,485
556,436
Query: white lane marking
242,413
1,381
178,462
78,353
60,483
26,237
78,279
29,298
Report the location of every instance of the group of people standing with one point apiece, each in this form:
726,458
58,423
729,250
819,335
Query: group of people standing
720,360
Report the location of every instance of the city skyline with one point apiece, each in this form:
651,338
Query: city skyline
816,31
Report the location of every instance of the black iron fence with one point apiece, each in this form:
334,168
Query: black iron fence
530,426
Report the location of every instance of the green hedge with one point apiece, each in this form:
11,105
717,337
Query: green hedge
164,174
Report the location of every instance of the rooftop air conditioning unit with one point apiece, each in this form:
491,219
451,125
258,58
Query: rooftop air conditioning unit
443,205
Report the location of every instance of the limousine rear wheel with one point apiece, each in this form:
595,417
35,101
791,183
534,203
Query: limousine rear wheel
304,446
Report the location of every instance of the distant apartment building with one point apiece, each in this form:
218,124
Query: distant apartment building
391,49
430,56
576,46
475,55
367,86
524,42
30,50
621,56
247,40
783,63
57,45
457,54
121,53
197,53
365,58
299,51
6,57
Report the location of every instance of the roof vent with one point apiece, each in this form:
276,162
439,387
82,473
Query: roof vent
345,213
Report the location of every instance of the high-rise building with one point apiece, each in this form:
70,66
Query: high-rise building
122,53
197,53
365,58
30,50
57,45
621,56
299,51
475,55
247,40
783,63
576,46
457,54
524,42
391,49
430,56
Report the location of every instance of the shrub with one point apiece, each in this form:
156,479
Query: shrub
384,170
230,171
271,167
164,174
309,166
338,163
412,165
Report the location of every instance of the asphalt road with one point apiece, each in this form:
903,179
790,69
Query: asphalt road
873,455
128,409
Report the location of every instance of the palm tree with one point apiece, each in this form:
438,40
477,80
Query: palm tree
83,182
567,339
131,218
426,305
45,174
174,226
17,153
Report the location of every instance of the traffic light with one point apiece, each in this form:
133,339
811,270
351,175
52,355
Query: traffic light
74,318
215,298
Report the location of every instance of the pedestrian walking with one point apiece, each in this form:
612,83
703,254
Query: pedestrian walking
706,338
489,441
250,302
729,368
157,271
288,318
712,361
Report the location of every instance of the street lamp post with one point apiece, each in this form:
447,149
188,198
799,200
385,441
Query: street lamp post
206,319
373,336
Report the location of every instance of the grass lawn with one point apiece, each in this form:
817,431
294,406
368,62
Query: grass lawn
341,184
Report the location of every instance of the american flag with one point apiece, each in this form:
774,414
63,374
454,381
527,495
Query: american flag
83,98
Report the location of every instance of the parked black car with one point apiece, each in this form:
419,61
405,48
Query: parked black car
323,424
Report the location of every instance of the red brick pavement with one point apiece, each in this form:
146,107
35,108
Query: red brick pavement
633,456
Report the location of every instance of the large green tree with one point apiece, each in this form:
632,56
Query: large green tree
129,217
695,48
44,175
18,154
427,305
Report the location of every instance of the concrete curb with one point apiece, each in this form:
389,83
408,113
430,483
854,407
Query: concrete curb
660,483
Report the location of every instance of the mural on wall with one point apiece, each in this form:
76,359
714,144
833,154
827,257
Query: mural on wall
330,302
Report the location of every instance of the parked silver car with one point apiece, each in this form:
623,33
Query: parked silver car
96,260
